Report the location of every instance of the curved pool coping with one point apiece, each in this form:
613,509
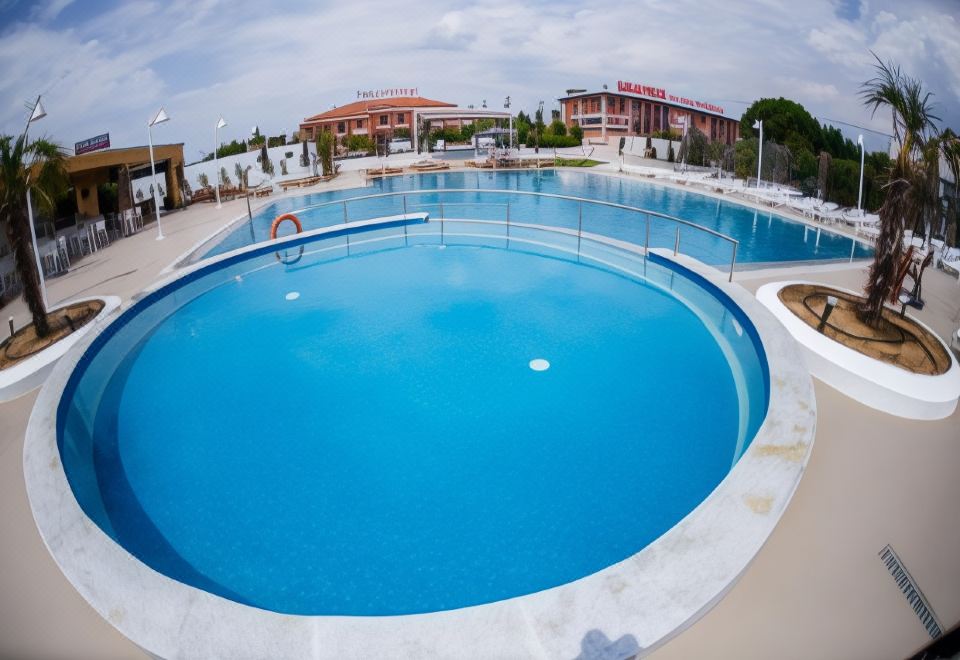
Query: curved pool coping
882,386
652,595
29,374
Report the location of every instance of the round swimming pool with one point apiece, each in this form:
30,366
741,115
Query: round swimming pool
394,421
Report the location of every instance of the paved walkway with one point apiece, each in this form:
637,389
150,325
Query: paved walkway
816,589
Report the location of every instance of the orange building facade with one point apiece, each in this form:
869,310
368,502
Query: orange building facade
378,119
636,109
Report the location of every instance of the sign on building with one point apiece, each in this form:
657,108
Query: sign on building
386,93
92,144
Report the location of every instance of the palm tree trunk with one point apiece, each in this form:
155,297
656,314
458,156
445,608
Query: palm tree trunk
888,252
18,235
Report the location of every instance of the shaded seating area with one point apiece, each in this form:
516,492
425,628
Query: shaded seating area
62,242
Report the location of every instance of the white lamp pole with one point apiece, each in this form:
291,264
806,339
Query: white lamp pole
37,113
160,117
759,124
216,162
860,194
506,105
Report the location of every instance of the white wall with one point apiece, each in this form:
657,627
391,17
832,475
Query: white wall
636,146
276,154
663,147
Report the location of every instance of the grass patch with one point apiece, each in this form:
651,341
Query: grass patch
576,162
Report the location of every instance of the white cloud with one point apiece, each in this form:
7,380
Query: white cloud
809,89
260,63
49,10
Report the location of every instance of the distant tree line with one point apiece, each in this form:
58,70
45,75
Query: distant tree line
793,143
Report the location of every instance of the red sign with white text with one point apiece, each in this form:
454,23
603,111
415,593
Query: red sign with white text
660,93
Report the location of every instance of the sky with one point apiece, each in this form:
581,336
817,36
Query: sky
107,67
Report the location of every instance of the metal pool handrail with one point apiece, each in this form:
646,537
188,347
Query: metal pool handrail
580,200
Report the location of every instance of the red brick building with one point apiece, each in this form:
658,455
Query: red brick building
635,109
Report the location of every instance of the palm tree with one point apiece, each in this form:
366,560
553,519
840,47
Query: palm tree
38,167
909,198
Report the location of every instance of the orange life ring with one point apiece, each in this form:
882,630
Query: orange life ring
281,218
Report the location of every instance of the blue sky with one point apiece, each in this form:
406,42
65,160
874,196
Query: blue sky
107,66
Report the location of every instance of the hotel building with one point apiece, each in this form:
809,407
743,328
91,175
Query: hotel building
381,117
636,109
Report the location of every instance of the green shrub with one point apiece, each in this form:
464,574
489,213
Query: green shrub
359,143
549,141
325,145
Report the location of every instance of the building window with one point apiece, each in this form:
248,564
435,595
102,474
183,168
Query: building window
703,119
623,106
341,127
359,123
384,120
400,118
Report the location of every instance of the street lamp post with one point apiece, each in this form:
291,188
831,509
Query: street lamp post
216,162
36,114
759,124
506,105
860,193
160,117
540,112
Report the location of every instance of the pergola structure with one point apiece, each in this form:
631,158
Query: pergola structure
90,170
448,118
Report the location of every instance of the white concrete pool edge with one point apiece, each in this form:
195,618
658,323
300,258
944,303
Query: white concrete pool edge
653,595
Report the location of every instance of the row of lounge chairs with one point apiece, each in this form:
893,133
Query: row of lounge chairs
302,183
864,224
419,166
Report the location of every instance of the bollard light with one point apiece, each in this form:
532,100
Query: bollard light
831,303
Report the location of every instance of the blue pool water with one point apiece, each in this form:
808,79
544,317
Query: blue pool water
765,238
355,428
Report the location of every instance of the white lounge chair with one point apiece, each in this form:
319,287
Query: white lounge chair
861,220
948,258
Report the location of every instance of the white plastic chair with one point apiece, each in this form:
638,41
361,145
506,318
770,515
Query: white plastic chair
100,236
50,258
63,251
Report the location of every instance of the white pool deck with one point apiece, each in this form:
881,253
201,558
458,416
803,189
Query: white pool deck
816,589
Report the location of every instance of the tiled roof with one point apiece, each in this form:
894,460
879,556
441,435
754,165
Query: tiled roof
375,105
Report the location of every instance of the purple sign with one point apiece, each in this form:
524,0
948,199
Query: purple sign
93,144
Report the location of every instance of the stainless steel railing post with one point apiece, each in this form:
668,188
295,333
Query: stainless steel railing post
345,220
676,243
579,226
733,260
646,242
